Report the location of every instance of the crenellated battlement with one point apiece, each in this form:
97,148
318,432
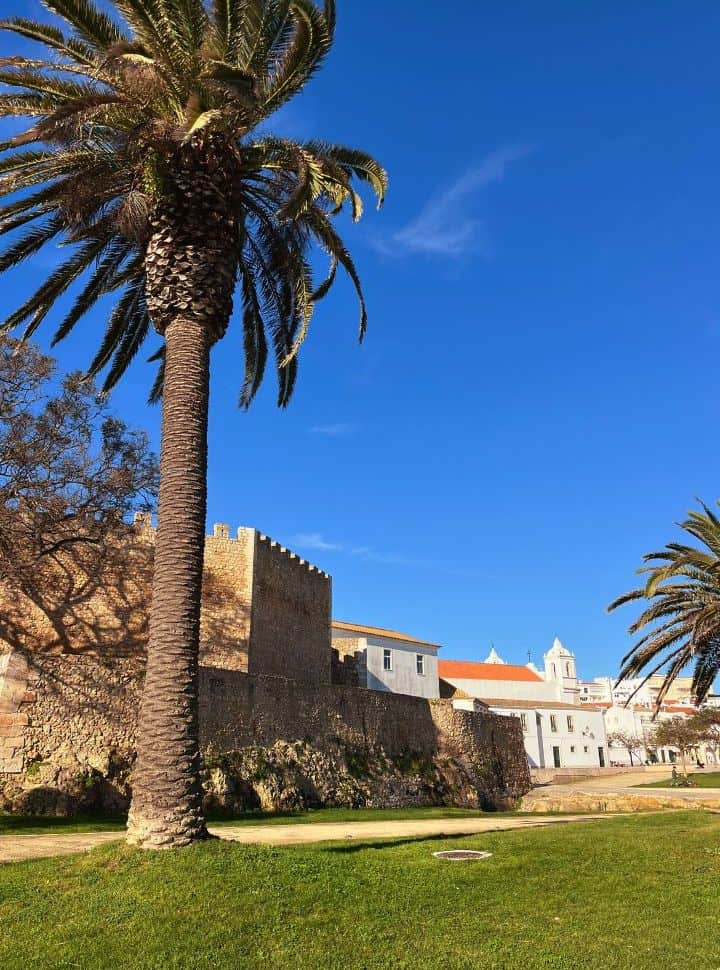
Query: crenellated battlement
288,554
221,530
266,610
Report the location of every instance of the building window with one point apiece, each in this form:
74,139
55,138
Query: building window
387,659
567,670
554,670
585,749
572,749
553,723
571,724
420,664
523,722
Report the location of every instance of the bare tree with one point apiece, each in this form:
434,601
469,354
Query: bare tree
70,475
623,739
682,733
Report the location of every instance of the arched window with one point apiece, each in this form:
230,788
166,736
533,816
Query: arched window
567,670
554,670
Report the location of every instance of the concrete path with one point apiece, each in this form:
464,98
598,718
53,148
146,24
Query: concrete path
20,848
365,831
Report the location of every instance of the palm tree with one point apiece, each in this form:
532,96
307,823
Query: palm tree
682,623
143,156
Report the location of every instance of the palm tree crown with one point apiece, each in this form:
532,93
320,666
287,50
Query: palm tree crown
682,623
124,117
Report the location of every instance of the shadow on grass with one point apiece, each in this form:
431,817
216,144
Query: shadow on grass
360,845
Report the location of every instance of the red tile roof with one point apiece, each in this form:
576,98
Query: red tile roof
466,670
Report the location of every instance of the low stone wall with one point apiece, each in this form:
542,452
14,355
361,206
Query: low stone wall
78,717
654,800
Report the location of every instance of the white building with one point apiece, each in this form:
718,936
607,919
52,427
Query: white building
641,691
638,722
387,660
558,731
558,735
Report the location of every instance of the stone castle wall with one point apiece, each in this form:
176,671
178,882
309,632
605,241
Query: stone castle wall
264,610
283,720
291,616
75,716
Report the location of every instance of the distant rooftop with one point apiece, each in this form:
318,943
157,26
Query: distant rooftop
509,704
376,631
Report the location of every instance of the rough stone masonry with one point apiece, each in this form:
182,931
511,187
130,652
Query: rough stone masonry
276,732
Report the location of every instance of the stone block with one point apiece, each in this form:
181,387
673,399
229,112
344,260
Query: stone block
12,766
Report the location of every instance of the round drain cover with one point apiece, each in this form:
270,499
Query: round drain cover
462,855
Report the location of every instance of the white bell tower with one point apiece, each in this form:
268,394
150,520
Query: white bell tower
560,669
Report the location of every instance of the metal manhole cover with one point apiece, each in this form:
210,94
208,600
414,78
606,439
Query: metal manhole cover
462,855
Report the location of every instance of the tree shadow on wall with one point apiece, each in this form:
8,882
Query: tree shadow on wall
84,597
95,598
224,621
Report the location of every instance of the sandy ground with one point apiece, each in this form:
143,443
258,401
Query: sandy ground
19,848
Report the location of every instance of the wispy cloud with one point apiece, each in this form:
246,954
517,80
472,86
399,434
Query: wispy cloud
338,430
368,554
449,225
317,542
314,541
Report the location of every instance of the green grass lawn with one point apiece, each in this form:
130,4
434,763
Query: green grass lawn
33,825
636,893
710,779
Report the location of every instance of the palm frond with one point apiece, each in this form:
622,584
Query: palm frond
130,108
90,24
51,37
681,622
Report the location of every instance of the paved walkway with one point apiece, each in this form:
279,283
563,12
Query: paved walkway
618,793
631,783
20,848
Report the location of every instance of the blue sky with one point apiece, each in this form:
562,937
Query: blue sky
535,404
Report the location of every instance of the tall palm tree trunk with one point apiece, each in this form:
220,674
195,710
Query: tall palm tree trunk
166,807
190,267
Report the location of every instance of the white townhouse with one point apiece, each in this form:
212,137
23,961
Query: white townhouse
387,660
